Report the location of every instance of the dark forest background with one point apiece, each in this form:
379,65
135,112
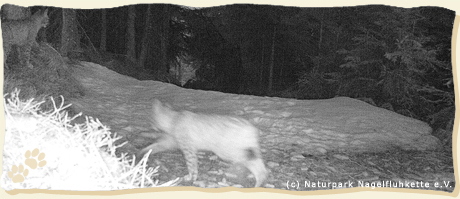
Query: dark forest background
395,58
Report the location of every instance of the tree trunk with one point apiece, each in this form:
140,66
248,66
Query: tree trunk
70,39
103,45
131,35
145,39
180,69
272,61
165,39
320,36
262,63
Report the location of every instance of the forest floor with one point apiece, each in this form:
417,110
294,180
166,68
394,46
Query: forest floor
395,169
306,144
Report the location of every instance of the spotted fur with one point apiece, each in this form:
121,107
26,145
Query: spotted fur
231,138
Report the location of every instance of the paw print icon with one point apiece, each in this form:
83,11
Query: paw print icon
18,173
32,160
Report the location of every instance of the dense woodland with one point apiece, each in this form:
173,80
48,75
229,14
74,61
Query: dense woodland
394,58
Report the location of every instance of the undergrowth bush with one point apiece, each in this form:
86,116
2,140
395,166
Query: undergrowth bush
50,76
78,156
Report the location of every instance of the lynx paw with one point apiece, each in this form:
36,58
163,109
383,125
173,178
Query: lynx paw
188,177
21,173
31,162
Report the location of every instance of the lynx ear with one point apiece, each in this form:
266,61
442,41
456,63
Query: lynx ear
156,103
45,12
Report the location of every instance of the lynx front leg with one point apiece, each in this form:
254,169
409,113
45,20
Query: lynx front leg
256,165
27,49
258,169
192,163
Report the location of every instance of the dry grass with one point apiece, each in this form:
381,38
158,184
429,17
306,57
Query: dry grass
78,157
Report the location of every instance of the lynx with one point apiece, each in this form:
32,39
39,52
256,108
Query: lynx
23,33
232,139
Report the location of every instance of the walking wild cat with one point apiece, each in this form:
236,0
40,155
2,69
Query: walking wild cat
23,33
232,139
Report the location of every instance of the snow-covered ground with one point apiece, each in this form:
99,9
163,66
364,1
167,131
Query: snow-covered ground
304,126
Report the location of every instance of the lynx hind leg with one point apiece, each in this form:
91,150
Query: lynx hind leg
165,143
6,51
191,159
256,165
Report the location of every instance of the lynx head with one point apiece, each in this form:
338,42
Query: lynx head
162,116
41,18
